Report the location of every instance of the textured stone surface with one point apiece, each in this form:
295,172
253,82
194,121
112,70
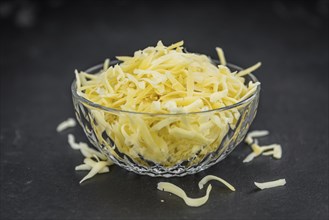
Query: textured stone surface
40,53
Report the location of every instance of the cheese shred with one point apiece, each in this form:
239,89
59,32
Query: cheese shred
193,202
84,148
96,168
253,134
249,70
208,178
70,122
274,150
221,56
271,184
99,166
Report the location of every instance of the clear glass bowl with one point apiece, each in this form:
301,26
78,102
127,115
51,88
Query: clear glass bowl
187,152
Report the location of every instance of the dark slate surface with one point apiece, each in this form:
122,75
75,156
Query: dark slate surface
41,45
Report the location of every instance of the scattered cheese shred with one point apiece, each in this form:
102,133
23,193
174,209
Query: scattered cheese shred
271,184
83,167
70,122
89,164
193,202
96,168
208,178
274,150
106,64
221,56
277,151
255,134
249,158
165,80
72,143
84,148
87,167
249,70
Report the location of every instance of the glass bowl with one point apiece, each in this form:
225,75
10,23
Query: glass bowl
124,137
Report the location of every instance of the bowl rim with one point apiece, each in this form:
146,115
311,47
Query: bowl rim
114,110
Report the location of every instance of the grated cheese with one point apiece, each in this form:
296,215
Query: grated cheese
271,184
70,122
221,56
249,158
208,178
161,80
249,70
193,202
87,167
94,167
277,151
274,150
254,134
84,148
106,64
72,143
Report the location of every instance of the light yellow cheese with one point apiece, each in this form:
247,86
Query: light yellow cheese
271,184
274,150
255,134
249,158
83,167
277,151
87,167
70,122
106,64
84,148
96,168
249,70
72,143
193,202
161,80
221,56
208,178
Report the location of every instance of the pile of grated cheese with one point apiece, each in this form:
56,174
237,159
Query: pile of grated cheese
165,80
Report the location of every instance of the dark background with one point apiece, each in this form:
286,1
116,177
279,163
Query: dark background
42,42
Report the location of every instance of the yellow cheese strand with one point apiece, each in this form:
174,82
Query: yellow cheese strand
271,184
254,134
249,70
70,122
221,56
274,150
208,178
96,168
193,202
